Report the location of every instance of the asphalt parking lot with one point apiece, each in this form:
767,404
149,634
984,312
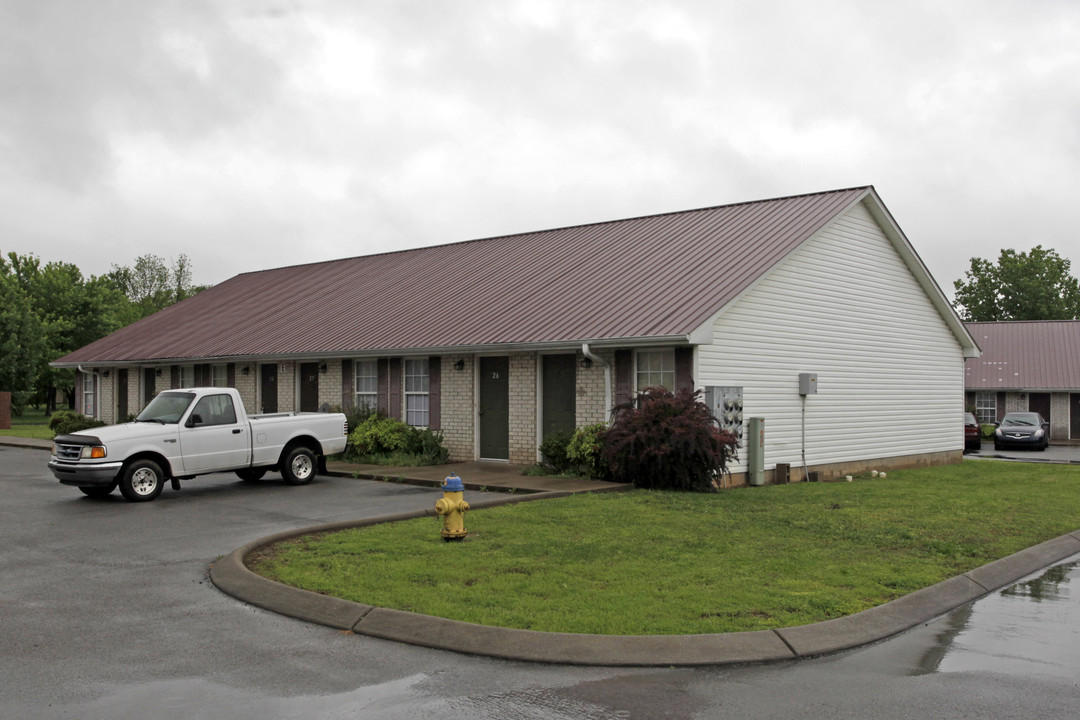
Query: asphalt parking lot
1055,453
109,613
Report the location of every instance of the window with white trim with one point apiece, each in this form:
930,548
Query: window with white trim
89,390
219,376
986,407
187,376
655,368
416,392
367,385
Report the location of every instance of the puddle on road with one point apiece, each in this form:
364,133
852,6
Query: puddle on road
1029,628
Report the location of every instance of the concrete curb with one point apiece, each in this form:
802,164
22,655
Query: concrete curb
231,576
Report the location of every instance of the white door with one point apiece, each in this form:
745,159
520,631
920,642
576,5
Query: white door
215,440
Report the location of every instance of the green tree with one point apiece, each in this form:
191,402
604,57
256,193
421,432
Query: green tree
1035,285
151,285
69,312
21,347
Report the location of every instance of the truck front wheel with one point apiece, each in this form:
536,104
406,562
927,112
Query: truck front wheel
298,466
141,481
97,491
251,474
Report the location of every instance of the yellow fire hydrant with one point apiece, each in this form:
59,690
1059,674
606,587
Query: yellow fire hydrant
452,507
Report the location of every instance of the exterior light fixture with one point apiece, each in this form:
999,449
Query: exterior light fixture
157,373
105,373
459,365
322,368
586,362
245,370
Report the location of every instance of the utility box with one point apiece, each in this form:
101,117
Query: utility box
755,445
808,383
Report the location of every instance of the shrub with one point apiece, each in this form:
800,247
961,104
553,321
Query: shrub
429,446
987,430
584,451
669,441
554,452
64,422
378,437
380,434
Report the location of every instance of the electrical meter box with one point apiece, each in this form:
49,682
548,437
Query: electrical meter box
726,404
808,383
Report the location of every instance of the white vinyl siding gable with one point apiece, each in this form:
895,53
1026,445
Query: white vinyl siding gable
845,306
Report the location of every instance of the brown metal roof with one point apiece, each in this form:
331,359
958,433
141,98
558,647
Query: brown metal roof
1042,355
659,276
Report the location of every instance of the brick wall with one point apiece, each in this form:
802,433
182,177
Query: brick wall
246,385
286,387
1016,402
591,399
458,407
107,397
134,392
1059,416
330,385
523,408
5,410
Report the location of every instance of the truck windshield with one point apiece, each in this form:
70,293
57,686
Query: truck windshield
166,408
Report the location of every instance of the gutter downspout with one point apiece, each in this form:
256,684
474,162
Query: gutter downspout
607,377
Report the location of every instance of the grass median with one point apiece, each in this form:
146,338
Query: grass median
679,563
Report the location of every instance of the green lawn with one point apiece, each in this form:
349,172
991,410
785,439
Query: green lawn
673,563
33,423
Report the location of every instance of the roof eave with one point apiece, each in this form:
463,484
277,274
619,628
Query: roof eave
472,349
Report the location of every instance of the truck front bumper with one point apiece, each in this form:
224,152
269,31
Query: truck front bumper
85,475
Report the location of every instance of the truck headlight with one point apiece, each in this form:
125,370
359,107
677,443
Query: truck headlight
93,452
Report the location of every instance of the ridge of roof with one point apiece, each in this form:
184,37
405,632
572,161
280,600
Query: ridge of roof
565,228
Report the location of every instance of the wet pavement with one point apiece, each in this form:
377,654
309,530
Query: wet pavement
109,613
1057,453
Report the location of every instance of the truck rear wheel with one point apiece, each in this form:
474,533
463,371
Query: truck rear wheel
298,466
142,481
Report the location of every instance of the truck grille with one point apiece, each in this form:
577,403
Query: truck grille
68,452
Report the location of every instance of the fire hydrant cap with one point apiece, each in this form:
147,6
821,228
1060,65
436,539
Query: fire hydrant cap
453,484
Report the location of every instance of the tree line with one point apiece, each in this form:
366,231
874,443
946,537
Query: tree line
49,310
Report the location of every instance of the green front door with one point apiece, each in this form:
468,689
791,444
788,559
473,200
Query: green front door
560,395
495,408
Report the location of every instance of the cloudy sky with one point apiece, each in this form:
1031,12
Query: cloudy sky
250,134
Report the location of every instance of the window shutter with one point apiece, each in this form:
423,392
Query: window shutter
624,385
79,404
174,376
394,394
348,382
383,401
230,374
435,393
684,368
1001,400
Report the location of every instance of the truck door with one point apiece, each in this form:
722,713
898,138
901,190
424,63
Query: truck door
216,440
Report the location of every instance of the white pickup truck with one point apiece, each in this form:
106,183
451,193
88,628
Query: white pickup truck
184,433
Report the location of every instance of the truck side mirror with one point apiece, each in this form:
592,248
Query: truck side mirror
193,420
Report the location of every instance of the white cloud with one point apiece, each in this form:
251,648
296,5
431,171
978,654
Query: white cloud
264,133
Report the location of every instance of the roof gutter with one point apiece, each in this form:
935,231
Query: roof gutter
607,376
